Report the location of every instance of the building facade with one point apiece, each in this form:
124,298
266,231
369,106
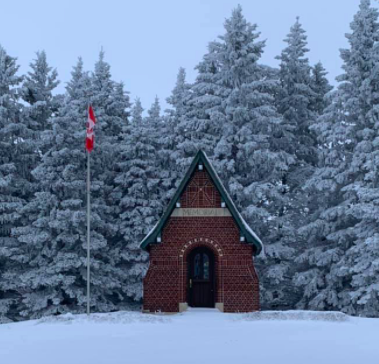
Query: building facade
201,250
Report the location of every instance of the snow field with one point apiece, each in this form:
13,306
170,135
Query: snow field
196,336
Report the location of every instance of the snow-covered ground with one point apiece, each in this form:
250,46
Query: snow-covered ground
196,336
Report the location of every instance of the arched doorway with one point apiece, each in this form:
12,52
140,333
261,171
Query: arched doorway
201,278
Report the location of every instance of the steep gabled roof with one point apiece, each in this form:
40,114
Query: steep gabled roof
246,231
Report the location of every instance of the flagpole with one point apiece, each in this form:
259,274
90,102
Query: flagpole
89,147
88,232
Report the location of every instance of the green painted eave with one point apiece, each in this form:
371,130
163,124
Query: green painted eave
201,158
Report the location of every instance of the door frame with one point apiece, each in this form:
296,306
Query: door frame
212,273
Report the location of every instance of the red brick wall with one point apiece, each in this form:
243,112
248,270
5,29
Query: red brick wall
165,284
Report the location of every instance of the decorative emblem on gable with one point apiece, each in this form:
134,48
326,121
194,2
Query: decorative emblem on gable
200,192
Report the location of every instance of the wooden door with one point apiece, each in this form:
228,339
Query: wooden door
201,278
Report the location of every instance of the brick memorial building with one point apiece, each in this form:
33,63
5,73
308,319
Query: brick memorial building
201,250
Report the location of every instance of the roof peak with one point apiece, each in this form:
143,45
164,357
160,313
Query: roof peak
246,231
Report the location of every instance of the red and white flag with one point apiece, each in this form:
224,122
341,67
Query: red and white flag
90,138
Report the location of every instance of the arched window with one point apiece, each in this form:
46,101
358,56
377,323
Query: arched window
201,266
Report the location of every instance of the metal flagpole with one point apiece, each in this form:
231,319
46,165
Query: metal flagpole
88,232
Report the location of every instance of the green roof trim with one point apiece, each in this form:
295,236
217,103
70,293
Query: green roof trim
246,231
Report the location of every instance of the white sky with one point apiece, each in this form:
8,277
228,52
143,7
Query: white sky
146,41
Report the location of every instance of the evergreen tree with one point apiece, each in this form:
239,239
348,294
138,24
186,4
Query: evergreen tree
295,94
137,184
321,87
137,111
16,153
341,265
247,105
173,129
295,100
157,129
111,105
144,184
49,265
154,113
200,122
11,129
178,96
37,92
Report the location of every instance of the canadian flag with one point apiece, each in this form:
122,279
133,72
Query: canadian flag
90,138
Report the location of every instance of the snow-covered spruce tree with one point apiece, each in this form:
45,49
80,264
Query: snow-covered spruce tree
201,120
111,105
10,125
170,136
37,91
177,99
159,133
51,247
295,94
321,87
137,112
18,153
137,184
294,139
342,266
173,120
154,113
316,196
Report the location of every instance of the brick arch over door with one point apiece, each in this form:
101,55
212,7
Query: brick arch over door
217,251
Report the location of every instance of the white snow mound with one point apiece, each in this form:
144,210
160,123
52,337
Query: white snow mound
121,317
294,316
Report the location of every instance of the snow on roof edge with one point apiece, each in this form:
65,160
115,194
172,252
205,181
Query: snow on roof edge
149,233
